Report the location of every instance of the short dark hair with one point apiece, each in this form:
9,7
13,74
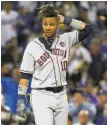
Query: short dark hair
47,11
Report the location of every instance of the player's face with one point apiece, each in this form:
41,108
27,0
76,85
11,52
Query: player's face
50,25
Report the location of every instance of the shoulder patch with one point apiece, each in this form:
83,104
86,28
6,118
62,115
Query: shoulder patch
62,44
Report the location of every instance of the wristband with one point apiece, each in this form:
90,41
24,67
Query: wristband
22,90
76,24
67,20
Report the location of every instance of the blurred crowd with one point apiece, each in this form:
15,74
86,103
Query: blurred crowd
87,69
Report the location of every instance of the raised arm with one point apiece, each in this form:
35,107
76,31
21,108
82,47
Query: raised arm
84,29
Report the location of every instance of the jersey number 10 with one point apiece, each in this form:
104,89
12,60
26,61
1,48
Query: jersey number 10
64,65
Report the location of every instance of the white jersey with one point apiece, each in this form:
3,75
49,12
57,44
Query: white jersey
8,23
48,67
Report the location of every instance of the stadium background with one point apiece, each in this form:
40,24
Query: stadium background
87,70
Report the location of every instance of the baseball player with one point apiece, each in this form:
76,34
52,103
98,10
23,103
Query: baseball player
45,58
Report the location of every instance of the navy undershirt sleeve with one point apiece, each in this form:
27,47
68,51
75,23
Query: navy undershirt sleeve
25,76
82,33
85,32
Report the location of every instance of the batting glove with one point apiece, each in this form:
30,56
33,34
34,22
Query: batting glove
21,108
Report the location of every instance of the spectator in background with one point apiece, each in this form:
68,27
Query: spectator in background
102,120
10,53
70,9
29,6
25,26
36,28
79,55
9,19
101,15
10,88
6,70
105,122
104,44
60,7
77,104
102,100
103,83
101,21
83,15
92,12
90,91
83,118
101,5
78,64
97,66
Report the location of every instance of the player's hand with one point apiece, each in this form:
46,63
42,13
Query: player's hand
19,119
21,108
61,19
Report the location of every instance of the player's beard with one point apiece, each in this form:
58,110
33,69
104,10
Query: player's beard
50,35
